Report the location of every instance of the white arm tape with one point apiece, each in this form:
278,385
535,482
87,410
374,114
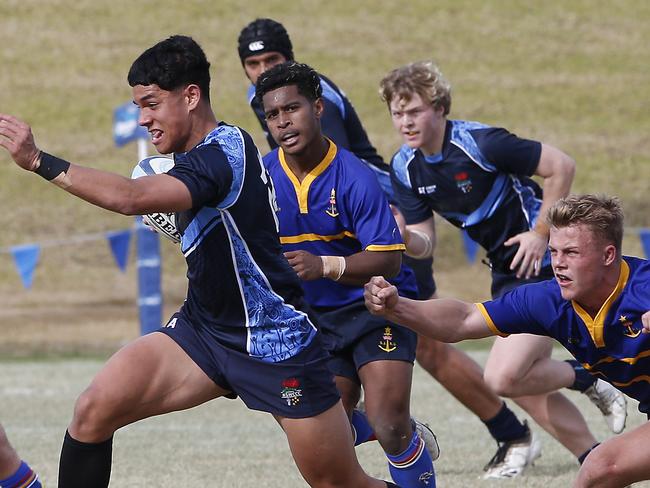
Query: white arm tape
333,267
427,252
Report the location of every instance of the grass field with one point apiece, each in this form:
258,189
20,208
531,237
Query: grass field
569,73
222,444
573,74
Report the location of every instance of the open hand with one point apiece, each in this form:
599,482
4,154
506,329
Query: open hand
528,259
16,137
306,265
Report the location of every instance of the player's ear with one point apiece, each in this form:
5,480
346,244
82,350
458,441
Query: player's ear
192,96
318,107
609,254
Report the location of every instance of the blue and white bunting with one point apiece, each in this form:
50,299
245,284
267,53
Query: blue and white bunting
470,246
26,259
119,243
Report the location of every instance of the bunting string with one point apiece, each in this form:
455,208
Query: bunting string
26,256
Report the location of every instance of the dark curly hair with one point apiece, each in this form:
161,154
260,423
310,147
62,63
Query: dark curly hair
303,76
177,61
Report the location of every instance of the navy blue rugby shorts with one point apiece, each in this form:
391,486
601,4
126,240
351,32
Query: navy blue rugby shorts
354,337
299,387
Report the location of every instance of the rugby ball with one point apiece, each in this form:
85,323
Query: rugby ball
161,222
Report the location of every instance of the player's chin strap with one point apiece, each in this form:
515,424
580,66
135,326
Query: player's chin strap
53,169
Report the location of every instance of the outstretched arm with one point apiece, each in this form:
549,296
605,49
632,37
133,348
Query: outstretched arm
558,170
107,190
444,319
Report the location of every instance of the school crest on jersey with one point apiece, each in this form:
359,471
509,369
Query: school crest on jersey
331,210
387,344
628,327
291,391
463,182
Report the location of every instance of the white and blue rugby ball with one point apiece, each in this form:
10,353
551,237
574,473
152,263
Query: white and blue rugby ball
161,222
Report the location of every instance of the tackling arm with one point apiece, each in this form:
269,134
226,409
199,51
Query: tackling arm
445,319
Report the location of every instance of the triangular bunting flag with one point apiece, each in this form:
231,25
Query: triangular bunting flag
119,242
644,234
26,259
471,247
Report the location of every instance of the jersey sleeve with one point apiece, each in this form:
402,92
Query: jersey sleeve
507,152
206,173
371,218
414,209
520,311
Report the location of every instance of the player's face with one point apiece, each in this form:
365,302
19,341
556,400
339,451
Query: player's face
292,119
580,261
165,114
258,64
418,122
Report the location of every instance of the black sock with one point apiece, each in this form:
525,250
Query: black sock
85,465
505,426
581,458
583,379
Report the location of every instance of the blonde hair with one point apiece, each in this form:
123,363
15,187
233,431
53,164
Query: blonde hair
602,214
423,78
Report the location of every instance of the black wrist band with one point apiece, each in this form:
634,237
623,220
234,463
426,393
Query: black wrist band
51,166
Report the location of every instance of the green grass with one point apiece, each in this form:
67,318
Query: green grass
569,73
222,444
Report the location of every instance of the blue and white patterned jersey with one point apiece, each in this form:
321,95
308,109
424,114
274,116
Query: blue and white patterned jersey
480,181
241,287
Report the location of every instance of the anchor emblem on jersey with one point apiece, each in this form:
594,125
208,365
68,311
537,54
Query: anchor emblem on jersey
627,324
332,211
386,343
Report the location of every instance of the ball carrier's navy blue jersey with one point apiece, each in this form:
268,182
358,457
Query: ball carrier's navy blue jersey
480,181
341,124
241,288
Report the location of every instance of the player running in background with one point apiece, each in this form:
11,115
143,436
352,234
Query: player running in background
337,231
242,330
478,178
596,307
14,473
265,43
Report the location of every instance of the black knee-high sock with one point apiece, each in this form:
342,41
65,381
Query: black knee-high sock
84,465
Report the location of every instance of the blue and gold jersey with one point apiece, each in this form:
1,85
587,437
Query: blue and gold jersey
480,181
338,209
241,288
610,345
